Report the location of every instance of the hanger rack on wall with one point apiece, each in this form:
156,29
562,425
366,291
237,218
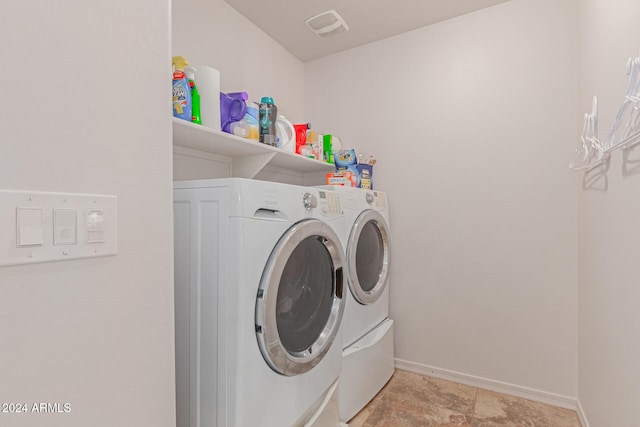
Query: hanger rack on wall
625,130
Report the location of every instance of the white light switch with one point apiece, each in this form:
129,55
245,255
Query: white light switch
65,228
29,227
95,225
38,226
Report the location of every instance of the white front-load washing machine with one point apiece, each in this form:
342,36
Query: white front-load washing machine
368,355
259,299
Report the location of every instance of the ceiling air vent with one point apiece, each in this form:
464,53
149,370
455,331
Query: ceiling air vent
327,24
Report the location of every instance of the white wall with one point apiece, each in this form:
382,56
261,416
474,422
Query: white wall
472,136
609,209
212,33
473,121
86,109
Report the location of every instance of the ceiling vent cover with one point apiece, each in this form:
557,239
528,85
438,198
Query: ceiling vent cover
327,24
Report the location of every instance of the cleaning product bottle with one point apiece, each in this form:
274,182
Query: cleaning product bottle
285,134
319,147
251,117
301,135
181,91
326,148
268,117
312,141
195,95
307,151
233,108
248,126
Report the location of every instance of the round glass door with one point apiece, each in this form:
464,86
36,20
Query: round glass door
368,257
299,304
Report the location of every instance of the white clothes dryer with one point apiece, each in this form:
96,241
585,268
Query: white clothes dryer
368,355
259,299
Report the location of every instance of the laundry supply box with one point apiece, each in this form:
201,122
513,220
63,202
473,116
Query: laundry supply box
343,178
347,161
364,176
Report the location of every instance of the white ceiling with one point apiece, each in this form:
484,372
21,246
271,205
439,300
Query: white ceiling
368,20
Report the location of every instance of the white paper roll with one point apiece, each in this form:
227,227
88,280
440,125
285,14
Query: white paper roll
208,83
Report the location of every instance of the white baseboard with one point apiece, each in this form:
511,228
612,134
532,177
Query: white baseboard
581,415
497,386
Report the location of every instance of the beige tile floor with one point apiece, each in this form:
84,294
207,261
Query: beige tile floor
414,400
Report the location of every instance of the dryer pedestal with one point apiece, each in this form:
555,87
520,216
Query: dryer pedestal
367,365
324,413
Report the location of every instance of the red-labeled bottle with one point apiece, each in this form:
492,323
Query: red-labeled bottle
301,136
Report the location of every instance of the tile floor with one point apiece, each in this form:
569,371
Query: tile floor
414,400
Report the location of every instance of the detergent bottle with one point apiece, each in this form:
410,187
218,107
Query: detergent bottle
268,116
233,107
327,150
285,134
190,72
181,91
312,143
248,126
251,117
301,136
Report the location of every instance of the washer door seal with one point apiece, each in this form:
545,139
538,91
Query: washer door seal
300,302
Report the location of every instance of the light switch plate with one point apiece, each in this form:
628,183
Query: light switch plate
29,227
64,226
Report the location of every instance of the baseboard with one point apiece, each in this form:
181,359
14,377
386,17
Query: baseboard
497,386
581,415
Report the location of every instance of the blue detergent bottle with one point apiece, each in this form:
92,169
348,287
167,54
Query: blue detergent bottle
268,115
181,91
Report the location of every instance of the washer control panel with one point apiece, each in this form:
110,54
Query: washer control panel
330,203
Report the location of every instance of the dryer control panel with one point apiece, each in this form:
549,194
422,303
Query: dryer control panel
381,199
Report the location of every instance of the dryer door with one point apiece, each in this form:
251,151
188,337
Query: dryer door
368,257
300,301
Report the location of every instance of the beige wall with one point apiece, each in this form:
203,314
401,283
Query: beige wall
609,209
86,110
473,122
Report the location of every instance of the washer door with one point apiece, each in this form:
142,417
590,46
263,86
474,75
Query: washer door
368,257
300,299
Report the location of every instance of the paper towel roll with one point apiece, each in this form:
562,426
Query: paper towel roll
208,82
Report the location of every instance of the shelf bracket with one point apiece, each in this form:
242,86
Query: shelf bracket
248,166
